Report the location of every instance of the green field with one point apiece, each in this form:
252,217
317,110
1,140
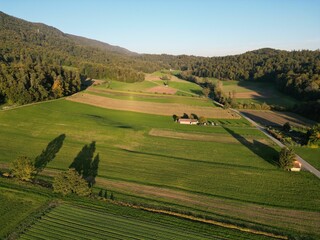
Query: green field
270,94
137,86
239,174
32,212
79,222
144,97
15,206
183,87
311,155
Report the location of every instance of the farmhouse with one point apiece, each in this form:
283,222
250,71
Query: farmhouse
296,166
188,121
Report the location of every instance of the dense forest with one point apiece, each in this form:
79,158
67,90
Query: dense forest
39,62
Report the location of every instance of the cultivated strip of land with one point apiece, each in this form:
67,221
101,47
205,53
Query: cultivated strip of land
167,109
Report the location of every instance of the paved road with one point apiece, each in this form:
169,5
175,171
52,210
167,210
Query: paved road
305,165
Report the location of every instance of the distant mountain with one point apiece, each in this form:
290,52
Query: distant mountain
100,45
41,34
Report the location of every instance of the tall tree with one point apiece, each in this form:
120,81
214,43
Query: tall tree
286,158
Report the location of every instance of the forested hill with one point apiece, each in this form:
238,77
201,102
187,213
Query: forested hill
40,62
86,42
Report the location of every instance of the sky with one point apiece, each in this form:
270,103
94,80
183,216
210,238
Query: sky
192,27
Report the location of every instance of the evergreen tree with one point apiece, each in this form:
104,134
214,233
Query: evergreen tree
286,158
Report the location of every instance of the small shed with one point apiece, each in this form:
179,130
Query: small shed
296,166
188,121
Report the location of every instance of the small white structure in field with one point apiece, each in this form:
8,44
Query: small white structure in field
188,121
296,166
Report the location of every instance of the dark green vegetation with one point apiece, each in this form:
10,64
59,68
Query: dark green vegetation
33,58
53,217
15,207
203,177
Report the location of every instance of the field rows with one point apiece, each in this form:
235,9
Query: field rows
70,222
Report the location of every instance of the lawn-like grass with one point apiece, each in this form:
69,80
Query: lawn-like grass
136,86
185,87
170,162
15,206
311,155
240,171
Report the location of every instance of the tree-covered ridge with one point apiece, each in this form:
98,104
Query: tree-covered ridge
32,56
31,47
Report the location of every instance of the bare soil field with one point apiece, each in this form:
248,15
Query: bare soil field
272,118
162,89
166,109
212,137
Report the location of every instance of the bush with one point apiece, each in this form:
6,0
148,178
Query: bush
69,182
23,168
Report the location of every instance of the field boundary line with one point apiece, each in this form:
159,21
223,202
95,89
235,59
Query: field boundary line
212,222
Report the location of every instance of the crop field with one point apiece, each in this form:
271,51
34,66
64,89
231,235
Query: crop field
167,109
15,206
72,222
239,182
148,97
177,86
272,118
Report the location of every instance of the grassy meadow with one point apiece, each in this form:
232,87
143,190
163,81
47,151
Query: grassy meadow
238,170
256,92
15,207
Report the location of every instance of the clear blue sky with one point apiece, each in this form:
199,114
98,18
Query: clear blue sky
197,27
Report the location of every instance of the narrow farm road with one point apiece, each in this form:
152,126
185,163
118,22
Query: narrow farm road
307,166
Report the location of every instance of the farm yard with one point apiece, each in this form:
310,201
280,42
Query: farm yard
149,158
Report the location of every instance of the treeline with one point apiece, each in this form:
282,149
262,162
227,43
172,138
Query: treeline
25,83
296,73
38,62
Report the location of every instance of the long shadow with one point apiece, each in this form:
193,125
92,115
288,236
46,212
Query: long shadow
260,120
84,163
220,164
262,150
48,154
85,83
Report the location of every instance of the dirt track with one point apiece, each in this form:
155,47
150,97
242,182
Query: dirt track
166,109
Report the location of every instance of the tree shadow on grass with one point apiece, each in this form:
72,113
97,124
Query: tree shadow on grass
84,163
49,153
269,154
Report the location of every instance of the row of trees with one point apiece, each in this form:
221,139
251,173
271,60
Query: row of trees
78,179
